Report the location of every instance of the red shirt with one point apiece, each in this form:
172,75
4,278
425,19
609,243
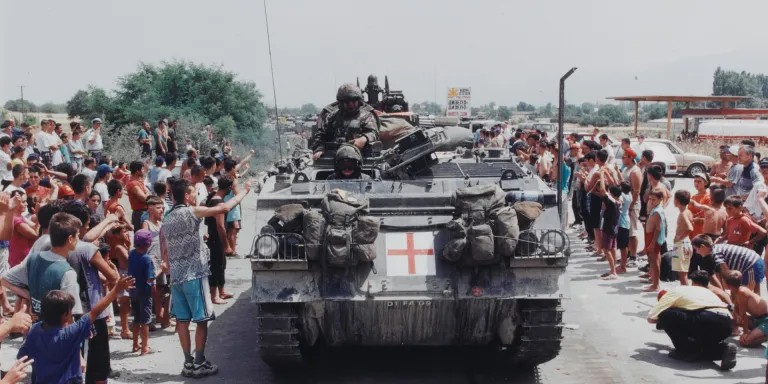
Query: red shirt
20,245
136,203
703,199
739,229
41,192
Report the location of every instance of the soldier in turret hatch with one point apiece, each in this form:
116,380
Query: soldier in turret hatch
354,122
349,164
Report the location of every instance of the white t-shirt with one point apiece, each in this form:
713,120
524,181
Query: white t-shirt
97,145
101,188
10,188
202,193
45,140
91,173
162,175
5,160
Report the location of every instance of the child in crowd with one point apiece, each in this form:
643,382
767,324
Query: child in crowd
115,190
54,343
121,173
740,228
714,215
142,269
683,251
702,196
610,226
655,233
622,237
749,306
119,240
153,224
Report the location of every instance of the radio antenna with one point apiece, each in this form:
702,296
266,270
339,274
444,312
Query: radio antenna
274,90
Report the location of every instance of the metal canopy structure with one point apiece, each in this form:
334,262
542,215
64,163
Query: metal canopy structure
723,112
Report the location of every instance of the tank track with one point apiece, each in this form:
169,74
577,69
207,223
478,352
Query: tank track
279,336
539,333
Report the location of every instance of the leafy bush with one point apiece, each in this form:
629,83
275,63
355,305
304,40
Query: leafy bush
15,105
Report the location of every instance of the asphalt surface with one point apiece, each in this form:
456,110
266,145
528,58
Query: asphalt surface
606,340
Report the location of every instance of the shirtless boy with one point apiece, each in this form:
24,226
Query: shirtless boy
721,169
748,305
654,237
682,252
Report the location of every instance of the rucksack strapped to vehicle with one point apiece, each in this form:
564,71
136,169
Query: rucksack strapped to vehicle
483,230
313,228
349,235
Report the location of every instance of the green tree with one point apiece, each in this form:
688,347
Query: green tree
16,106
522,106
654,111
78,104
504,113
612,114
182,88
225,127
53,108
732,83
547,110
587,108
431,108
309,109
89,104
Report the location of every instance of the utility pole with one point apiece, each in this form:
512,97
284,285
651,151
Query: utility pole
22,103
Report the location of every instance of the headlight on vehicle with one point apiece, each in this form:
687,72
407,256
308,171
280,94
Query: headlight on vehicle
266,246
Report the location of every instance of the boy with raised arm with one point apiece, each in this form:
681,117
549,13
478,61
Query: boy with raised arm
186,257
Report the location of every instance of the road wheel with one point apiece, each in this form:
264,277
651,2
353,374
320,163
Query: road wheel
696,168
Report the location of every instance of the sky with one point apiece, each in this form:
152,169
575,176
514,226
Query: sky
507,51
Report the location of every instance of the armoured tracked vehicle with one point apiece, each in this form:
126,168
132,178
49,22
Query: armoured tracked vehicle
410,293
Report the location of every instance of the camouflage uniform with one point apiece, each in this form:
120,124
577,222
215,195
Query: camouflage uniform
347,125
345,152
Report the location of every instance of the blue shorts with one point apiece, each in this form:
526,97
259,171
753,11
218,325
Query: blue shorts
141,306
755,273
191,301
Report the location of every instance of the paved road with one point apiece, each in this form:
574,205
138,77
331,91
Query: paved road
607,340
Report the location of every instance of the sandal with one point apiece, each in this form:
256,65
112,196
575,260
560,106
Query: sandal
620,271
650,289
605,275
610,277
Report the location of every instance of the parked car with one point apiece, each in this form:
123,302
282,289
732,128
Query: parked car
688,163
661,156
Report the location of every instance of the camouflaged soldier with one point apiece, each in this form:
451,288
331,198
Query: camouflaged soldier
349,164
354,122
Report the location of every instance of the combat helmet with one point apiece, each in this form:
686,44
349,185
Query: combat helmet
349,91
348,156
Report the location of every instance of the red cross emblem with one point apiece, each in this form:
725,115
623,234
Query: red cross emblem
410,250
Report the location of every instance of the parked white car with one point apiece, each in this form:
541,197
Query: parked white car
688,163
661,155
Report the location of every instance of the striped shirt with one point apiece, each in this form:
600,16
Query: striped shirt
735,257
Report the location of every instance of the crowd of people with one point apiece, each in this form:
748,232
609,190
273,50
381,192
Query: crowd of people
81,263
619,195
